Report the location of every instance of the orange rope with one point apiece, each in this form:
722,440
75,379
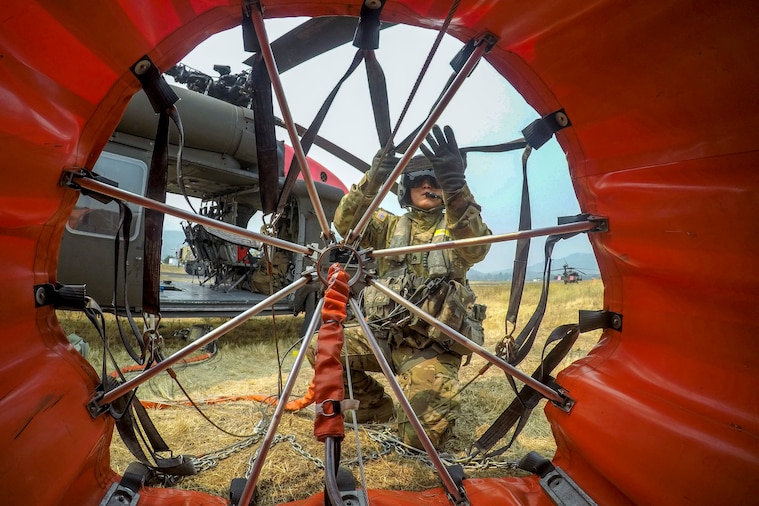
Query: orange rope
293,405
138,368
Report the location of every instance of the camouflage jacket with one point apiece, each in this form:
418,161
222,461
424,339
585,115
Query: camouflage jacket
452,302
462,220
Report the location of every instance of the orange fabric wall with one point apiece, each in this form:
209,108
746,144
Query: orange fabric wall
662,100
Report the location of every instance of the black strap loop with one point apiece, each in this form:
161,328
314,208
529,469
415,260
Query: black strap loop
156,190
162,99
125,228
522,248
160,94
518,412
266,140
541,130
378,94
132,432
367,31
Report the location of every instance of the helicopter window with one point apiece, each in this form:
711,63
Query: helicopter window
92,217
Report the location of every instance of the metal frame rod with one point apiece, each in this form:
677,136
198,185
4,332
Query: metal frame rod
437,462
276,82
255,472
133,198
509,369
425,129
212,336
583,226
331,463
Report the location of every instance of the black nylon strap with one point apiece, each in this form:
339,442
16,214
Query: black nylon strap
495,148
154,438
125,226
156,190
378,94
131,434
162,99
310,135
128,431
135,476
522,248
160,94
266,140
518,412
526,338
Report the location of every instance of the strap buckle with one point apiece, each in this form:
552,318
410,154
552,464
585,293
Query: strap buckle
331,407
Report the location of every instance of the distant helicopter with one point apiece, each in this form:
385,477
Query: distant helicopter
570,274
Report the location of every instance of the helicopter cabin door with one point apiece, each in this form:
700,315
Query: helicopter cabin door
87,254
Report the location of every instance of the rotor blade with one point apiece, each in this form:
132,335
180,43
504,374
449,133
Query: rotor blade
312,38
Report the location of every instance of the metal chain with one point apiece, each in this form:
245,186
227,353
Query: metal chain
278,438
390,442
385,437
210,460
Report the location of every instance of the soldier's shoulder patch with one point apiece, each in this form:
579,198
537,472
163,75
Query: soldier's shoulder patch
381,215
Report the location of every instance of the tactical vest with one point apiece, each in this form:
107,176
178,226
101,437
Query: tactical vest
432,264
435,281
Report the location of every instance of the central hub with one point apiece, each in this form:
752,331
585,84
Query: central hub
349,258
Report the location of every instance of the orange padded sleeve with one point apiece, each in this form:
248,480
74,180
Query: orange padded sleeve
328,370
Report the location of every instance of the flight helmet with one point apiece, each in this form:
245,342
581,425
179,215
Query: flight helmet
417,169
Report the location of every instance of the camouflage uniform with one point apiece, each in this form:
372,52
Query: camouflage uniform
262,282
427,371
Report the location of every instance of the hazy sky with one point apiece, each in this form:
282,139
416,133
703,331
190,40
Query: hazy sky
486,110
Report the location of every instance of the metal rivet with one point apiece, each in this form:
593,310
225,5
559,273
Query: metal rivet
373,4
40,296
616,322
561,119
141,67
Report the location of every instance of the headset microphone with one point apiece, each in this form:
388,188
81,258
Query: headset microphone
433,195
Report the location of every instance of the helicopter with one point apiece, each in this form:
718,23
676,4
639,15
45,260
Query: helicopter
658,145
220,167
570,274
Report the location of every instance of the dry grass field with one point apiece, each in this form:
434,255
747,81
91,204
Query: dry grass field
247,363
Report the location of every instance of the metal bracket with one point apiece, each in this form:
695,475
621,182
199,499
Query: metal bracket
354,498
120,496
72,297
560,488
541,130
567,402
601,222
70,175
592,320
94,408
489,39
563,490
456,471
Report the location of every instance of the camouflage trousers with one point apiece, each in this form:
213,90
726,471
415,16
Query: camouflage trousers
429,380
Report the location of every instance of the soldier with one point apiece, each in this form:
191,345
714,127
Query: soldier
266,282
439,207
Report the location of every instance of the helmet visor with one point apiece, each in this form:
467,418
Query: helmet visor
418,178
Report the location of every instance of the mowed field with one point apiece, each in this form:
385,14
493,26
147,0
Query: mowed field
256,358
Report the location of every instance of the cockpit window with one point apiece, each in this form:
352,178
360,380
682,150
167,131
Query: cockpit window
92,217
